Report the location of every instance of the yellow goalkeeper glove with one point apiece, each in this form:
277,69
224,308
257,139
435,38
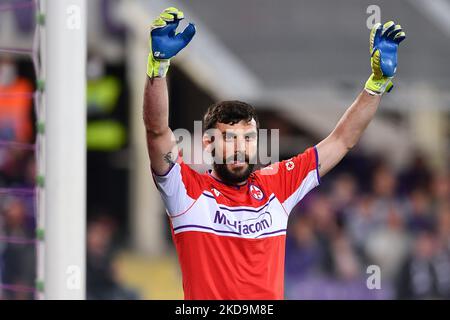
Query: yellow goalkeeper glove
384,42
165,43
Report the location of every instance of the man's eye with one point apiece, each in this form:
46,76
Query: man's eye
229,137
250,137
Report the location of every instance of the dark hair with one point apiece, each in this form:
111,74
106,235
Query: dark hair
229,112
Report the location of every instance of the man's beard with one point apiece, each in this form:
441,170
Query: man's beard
234,177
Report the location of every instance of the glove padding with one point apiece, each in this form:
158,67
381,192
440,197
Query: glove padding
384,42
165,43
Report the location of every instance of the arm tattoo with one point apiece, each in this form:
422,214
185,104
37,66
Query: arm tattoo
319,166
168,157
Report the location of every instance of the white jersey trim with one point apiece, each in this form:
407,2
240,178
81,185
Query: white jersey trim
310,182
174,192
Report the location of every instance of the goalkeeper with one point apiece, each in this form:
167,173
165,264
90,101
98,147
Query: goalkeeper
229,224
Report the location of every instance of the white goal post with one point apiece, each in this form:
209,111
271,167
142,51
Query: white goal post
64,50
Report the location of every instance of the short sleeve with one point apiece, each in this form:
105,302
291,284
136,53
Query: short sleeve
179,188
290,180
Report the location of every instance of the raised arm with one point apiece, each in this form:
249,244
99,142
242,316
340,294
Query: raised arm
164,45
161,144
384,41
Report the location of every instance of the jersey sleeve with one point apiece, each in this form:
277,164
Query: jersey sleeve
290,180
179,188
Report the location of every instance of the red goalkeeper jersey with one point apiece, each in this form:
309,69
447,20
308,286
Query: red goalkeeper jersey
230,240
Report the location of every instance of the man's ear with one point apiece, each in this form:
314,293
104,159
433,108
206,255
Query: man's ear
207,142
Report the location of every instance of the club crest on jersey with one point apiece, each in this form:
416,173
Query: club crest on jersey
290,165
256,192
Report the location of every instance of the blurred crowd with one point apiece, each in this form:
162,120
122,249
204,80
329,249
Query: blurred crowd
17,202
17,224
17,232
17,172
396,221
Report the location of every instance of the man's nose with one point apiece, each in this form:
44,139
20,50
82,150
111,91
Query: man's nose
239,144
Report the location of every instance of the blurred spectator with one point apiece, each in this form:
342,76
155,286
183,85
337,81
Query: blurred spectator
426,272
30,172
15,104
361,222
304,253
440,187
346,263
326,228
384,181
18,260
343,195
104,132
443,218
416,175
419,212
387,247
16,167
384,184
103,279
343,192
